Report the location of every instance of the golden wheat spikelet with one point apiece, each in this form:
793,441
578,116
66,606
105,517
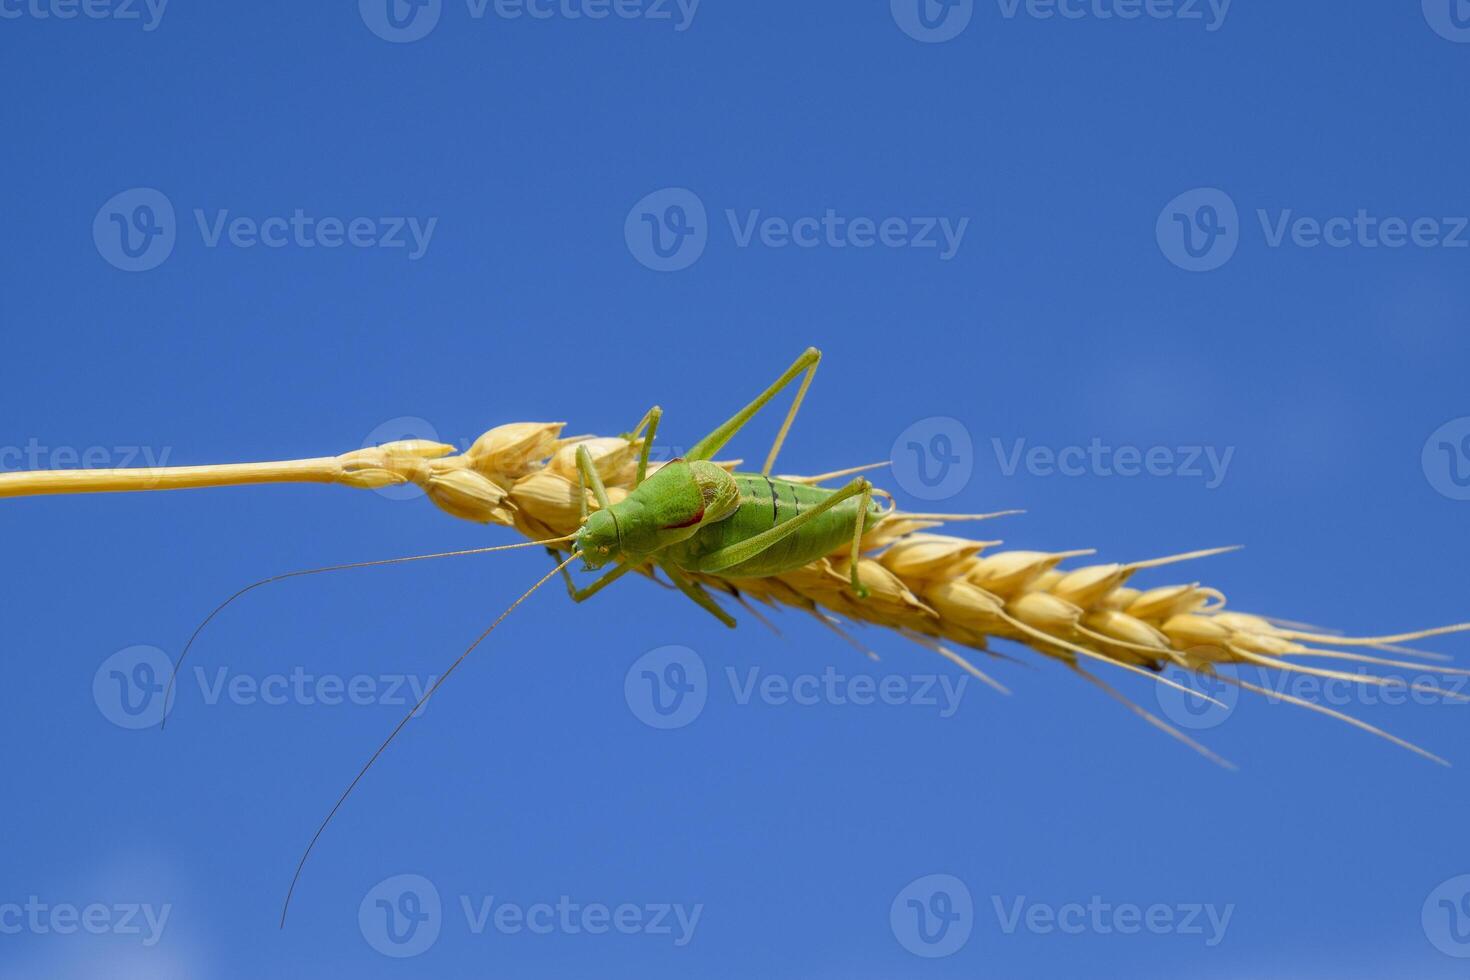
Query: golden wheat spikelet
937,589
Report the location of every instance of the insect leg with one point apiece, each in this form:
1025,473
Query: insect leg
590,477
651,420
741,551
696,592
857,539
715,441
581,595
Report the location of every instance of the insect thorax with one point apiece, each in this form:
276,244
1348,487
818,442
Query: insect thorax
671,506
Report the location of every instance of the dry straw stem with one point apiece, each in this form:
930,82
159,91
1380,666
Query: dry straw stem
940,590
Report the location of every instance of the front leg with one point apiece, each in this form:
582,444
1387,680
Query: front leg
651,421
582,595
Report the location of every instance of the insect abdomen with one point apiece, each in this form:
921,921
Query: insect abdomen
765,503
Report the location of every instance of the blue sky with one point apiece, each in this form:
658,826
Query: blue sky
1167,275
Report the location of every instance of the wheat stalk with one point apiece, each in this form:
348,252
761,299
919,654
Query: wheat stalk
940,590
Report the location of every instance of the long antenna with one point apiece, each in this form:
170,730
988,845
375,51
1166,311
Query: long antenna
178,665
406,719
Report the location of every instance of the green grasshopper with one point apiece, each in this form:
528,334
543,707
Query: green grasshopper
693,516
689,516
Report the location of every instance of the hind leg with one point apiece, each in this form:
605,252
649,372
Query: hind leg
805,365
697,592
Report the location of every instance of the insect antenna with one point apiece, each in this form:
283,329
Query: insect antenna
178,665
286,906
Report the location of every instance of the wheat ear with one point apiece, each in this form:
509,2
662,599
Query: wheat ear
938,589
